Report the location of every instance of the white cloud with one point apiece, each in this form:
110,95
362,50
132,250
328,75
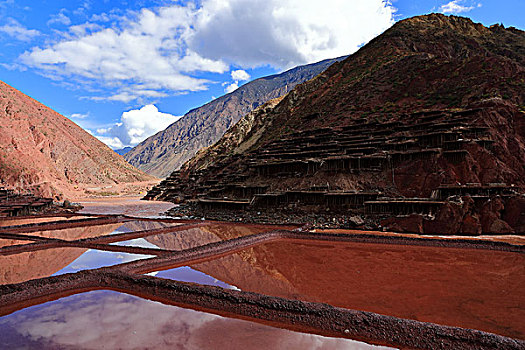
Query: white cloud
240,75
237,75
120,321
59,18
231,87
166,49
78,116
284,33
112,142
135,126
456,6
15,30
143,55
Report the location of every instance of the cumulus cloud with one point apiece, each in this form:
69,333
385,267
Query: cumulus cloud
168,48
237,75
456,6
148,53
78,116
240,75
60,18
112,142
135,126
231,87
284,33
15,30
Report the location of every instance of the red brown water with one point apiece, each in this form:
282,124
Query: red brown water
132,206
43,263
111,320
10,242
458,287
195,237
472,288
23,267
28,220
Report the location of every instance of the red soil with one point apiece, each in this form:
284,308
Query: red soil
43,151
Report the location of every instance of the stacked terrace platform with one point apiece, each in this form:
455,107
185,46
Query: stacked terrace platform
15,204
403,206
373,138
475,190
354,169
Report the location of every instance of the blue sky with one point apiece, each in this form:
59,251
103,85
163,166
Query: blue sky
126,69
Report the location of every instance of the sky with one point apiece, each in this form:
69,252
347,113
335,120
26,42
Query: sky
124,70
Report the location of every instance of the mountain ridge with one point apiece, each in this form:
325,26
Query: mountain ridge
167,150
433,106
48,154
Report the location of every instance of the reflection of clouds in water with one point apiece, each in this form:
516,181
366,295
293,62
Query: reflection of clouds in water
137,242
187,274
111,320
93,259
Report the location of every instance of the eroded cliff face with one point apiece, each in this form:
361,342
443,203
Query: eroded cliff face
169,149
45,152
427,114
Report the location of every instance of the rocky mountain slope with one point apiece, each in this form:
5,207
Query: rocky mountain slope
422,130
167,150
43,151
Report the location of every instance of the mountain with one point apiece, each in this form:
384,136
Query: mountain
167,150
123,151
43,151
421,130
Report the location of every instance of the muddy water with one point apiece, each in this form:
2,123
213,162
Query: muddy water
110,320
477,289
23,221
207,234
71,234
132,206
23,267
31,265
94,259
10,242
43,263
101,230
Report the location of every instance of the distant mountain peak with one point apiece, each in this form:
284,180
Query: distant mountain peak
201,127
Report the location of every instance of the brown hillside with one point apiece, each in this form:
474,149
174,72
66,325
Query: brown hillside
167,150
434,102
45,152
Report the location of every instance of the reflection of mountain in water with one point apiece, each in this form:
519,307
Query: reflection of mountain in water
31,265
458,287
244,269
12,221
142,225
